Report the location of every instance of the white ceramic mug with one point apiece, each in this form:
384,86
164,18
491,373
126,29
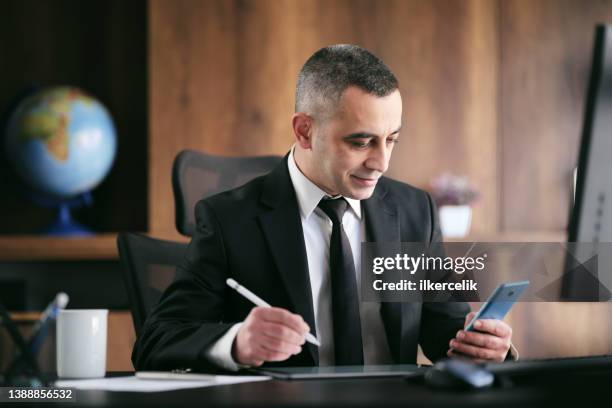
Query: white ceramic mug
81,343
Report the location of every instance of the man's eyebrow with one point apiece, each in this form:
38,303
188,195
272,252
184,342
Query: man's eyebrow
359,135
367,135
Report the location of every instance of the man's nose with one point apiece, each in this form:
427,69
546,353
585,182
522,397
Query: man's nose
378,159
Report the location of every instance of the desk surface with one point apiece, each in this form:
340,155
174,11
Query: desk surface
562,388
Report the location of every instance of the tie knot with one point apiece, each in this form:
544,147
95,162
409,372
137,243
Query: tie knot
334,208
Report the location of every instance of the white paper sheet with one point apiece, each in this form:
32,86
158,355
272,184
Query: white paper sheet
133,384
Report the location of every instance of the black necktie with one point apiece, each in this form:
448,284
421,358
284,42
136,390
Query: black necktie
345,299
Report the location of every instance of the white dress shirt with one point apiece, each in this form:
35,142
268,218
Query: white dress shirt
317,229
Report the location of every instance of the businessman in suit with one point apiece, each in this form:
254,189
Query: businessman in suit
293,238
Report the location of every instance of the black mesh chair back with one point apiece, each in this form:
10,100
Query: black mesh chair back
149,266
197,175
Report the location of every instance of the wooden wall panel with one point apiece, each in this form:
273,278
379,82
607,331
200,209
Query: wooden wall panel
222,80
549,330
492,89
445,56
223,76
121,338
546,51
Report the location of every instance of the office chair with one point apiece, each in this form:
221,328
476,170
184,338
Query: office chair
197,175
149,266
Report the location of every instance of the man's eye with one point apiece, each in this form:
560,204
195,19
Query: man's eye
392,140
360,145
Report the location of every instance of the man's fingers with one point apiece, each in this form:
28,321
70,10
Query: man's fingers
498,328
474,351
268,354
483,340
469,318
453,354
489,341
269,334
282,316
281,332
278,345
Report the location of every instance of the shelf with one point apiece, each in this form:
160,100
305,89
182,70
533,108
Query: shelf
514,236
24,317
36,248
104,246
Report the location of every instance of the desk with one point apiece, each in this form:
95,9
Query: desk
562,388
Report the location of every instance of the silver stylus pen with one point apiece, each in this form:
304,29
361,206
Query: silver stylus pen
260,302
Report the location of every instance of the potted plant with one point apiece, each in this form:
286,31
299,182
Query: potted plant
453,196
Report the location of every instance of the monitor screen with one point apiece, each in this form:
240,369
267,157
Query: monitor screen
591,216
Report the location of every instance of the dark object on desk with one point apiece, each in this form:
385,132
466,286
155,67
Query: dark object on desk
308,373
197,175
40,332
149,266
29,373
458,374
552,365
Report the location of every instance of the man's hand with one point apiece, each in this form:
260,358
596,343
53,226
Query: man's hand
490,340
269,334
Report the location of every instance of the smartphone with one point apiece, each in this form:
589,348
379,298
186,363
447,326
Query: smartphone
500,302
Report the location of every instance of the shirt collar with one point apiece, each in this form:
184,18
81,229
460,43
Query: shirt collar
308,193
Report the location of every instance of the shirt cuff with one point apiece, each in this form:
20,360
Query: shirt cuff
220,352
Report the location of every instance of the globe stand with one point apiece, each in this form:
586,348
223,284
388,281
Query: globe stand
65,225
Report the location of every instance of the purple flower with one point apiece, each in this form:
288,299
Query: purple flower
449,189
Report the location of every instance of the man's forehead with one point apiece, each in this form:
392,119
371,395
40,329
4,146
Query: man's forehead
360,109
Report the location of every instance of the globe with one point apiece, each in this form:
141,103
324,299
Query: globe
61,142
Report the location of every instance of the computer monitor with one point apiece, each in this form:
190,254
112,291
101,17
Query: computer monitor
591,216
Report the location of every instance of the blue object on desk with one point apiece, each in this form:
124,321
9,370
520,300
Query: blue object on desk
457,374
47,319
40,331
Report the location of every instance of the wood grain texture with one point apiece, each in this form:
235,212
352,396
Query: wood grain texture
546,51
492,89
121,338
445,56
555,329
223,75
30,248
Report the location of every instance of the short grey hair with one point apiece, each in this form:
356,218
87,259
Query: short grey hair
331,70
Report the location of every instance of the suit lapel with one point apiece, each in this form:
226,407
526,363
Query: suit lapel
282,229
382,226
382,223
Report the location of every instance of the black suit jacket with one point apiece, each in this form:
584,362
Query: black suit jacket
254,235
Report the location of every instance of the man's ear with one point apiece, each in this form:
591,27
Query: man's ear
303,129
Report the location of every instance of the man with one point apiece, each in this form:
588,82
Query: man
293,238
